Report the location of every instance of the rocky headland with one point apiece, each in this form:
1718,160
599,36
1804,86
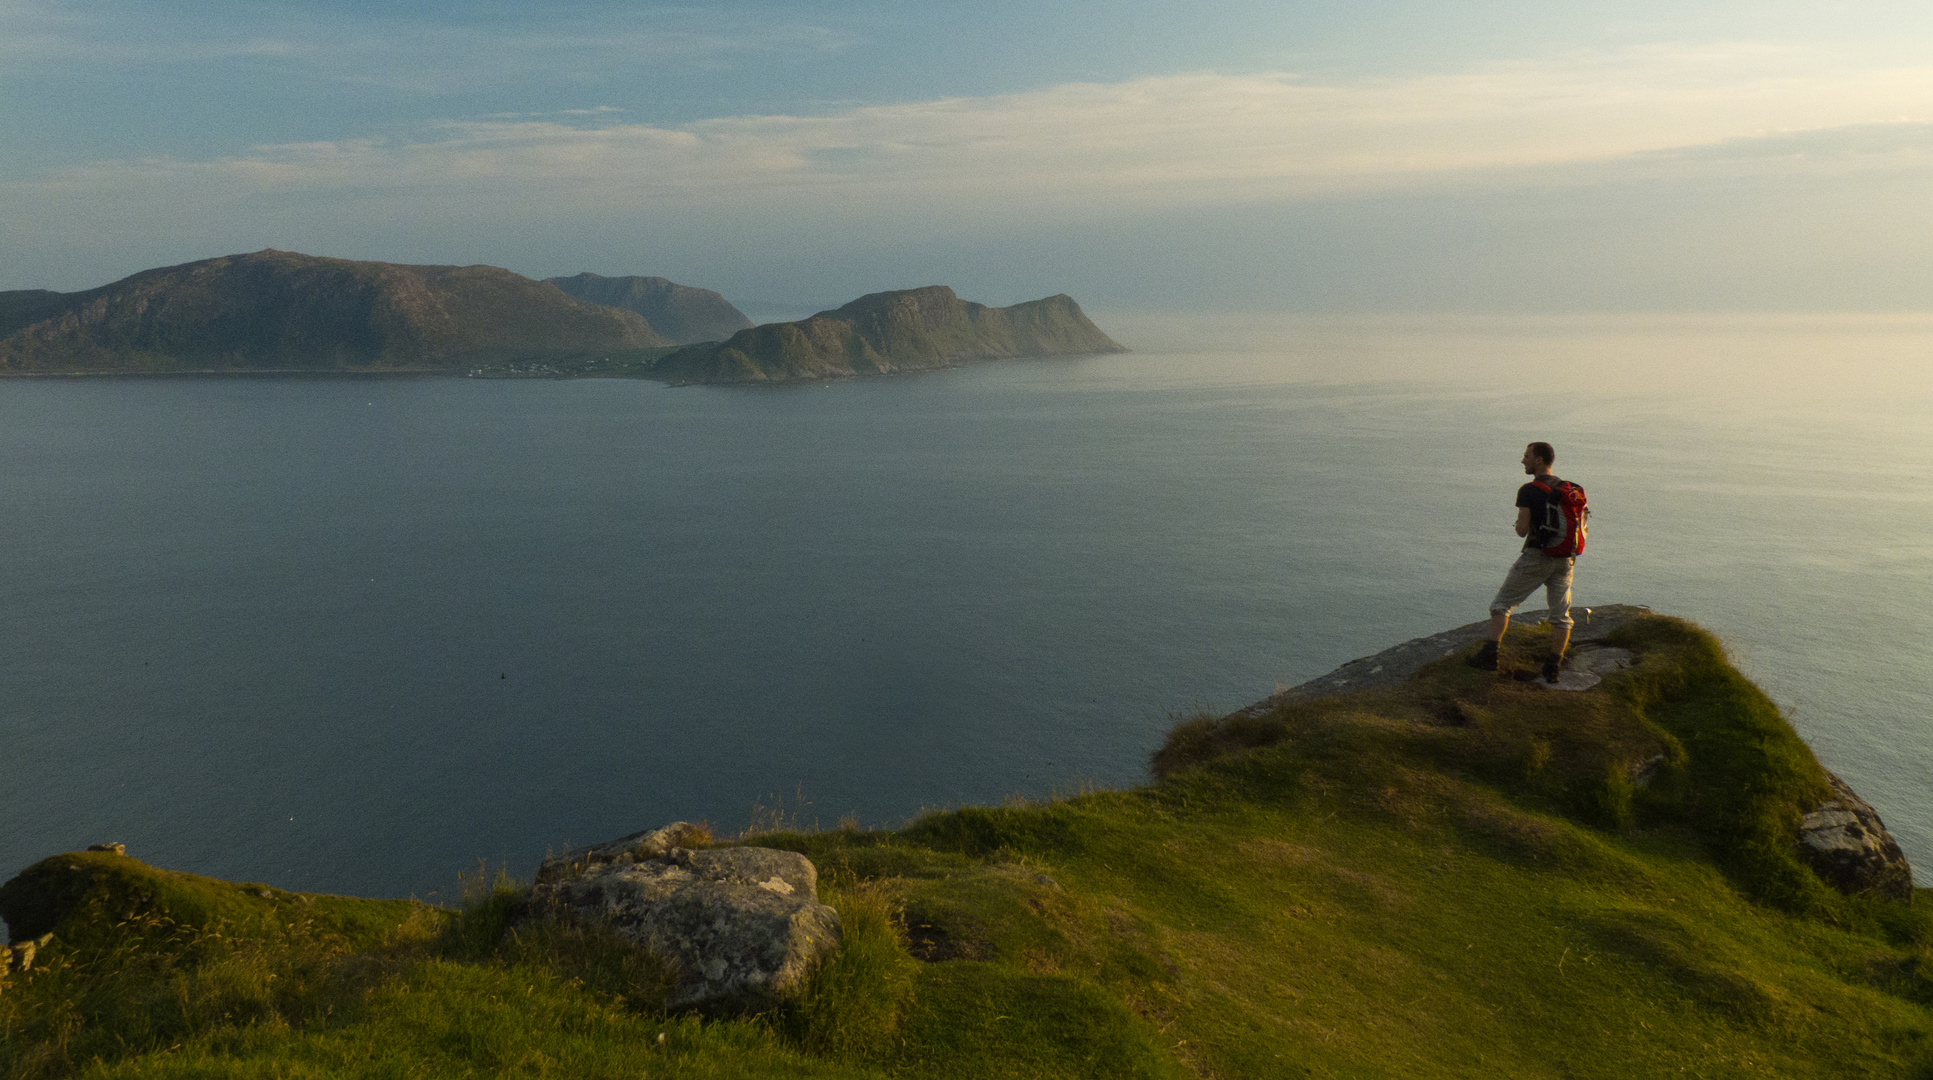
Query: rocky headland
887,332
1406,867
1840,837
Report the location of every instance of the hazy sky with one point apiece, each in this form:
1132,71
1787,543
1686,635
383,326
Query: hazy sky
1491,155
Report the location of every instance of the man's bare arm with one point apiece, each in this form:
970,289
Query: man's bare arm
1523,521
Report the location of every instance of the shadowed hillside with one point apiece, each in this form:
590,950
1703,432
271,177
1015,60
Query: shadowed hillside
24,307
279,310
904,330
680,314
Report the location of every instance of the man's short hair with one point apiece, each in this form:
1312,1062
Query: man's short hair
1544,452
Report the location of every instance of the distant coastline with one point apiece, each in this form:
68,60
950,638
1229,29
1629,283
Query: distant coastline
280,312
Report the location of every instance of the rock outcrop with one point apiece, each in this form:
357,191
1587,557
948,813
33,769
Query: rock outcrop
680,314
1590,659
742,927
881,333
279,310
1842,839
1846,844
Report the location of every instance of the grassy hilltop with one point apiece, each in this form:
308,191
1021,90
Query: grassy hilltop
1456,877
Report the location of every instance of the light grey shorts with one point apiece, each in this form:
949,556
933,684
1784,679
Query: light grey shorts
1534,568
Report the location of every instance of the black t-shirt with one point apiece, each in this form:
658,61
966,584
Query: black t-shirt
1546,513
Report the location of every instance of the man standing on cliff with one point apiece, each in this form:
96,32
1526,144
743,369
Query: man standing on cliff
1539,519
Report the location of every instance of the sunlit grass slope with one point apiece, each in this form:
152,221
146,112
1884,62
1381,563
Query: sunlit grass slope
1453,879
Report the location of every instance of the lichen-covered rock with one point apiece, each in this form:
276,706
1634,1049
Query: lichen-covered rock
625,850
1844,841
742,927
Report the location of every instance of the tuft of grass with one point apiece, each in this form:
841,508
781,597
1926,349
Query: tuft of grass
779,815
1203,737
489,902
980,831
852,1007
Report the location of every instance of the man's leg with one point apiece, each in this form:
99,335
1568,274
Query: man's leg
1486,657
1557,589
1525,575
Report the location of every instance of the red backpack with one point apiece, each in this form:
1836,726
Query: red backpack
1572,513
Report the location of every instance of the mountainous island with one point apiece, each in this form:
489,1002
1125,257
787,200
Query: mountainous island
678,313
279,310
885,332
283,311
1408,868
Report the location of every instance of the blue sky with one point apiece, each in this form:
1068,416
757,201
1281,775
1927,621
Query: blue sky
1486,156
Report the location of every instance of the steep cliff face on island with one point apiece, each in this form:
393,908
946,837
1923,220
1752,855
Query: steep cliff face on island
681,314
274,310
880,333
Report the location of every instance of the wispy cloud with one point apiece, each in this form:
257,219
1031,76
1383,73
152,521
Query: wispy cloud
399,52
31,30
1177,139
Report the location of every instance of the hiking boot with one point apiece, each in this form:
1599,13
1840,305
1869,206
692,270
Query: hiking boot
1553,668
1485,658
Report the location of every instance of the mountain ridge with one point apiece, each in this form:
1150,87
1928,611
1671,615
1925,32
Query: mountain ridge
279,310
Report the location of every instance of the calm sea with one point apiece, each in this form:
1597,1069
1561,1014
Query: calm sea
354,635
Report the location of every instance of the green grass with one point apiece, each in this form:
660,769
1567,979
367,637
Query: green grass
1456,878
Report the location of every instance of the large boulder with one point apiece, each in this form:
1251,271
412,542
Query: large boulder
741,926
1844,841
